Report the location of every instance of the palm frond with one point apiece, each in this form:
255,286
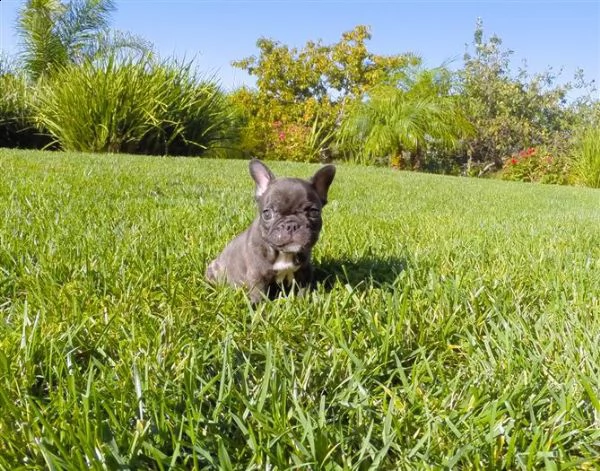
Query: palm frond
394,119
55,34
82,22
42,47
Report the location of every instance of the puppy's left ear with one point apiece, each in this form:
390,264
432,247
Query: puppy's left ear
321,181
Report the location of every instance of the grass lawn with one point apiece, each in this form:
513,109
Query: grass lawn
456,324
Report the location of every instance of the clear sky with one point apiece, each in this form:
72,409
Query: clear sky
558,34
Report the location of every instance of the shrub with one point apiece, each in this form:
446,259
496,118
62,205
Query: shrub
133,105
13,107
586,157
299,142
536,165
301,132
193,114
17,128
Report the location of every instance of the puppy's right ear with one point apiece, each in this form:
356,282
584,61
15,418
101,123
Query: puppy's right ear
261,175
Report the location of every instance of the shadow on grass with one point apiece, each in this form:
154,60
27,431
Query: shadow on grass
358,273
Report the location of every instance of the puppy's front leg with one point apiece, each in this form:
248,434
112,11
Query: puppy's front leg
257,288
303,279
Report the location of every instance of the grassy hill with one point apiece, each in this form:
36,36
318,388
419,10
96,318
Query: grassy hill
456,323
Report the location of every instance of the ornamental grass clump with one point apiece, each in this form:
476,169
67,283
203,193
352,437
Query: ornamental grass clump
135,105
586,158
17,127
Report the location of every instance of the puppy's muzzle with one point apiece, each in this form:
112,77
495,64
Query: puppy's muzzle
290,231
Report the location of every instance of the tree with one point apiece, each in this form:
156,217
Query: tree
300,94
56,34
509,112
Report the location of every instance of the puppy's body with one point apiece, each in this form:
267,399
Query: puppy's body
246,261
276,248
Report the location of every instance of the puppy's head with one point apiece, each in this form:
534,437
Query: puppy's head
290,208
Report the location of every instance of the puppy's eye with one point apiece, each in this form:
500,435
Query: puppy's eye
314,212
267,214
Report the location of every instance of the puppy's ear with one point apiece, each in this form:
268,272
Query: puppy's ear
261,175
321,181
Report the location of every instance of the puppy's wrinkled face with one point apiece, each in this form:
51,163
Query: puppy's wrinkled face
290,215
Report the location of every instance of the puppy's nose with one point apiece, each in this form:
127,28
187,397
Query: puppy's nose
291,226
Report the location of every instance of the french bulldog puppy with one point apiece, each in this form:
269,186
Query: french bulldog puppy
275,251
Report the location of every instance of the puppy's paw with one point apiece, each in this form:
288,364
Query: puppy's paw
213,271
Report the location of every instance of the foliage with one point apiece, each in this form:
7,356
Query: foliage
496,112
305,137
55,34
300,94
193,115
7,65
136,106
17,127
301,141
536,165
13,108
462,335
315,103
586,157
346,68
510,112
408,118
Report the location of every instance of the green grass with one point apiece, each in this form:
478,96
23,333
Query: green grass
459,325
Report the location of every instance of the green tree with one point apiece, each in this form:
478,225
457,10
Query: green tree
55,34
509,112
405,122
300,94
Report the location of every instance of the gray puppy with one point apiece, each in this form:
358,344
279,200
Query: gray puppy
275,250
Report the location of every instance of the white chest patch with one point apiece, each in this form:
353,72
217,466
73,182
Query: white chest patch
284,267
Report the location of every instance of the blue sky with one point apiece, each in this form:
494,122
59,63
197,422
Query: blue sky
560,34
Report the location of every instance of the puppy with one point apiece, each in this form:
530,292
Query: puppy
275,250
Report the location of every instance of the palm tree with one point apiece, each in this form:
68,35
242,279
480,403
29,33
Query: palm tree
56,34
405,118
